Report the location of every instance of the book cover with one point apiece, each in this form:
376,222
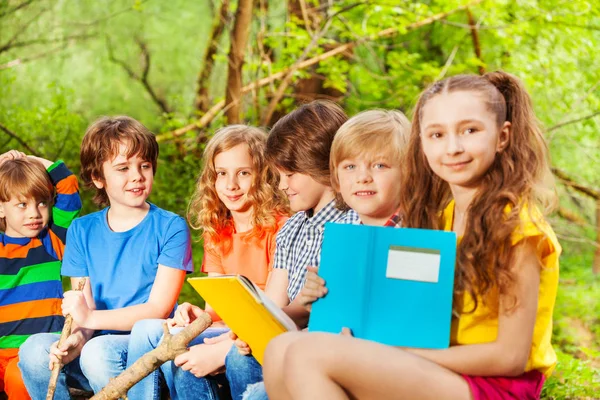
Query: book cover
389,285
245,309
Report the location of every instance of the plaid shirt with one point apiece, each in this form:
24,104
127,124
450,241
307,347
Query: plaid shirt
352,217
298,244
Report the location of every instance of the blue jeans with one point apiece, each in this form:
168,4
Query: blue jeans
241,371
102,358
256,391
146,336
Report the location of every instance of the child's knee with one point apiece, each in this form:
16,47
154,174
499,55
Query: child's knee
34,352
147,331
101,355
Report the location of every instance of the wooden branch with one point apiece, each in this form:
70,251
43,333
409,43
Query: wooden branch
18,139
66,332
571,217
22,60
573,121
9,45
568,181
16,8
305,64
475,38
143,77
31,42
169,348
288,77
202,101
239,40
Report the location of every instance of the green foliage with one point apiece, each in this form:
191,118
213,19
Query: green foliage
62,78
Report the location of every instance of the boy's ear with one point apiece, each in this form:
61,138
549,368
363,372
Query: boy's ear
504,136
98,182
2,211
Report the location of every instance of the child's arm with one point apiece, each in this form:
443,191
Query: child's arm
276,288
164,293
508,355
67,205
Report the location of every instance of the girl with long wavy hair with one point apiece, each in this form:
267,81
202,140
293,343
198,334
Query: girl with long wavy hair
477,165
239,210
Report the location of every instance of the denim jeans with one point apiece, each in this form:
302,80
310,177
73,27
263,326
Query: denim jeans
256,391
145,336
241,371
102,358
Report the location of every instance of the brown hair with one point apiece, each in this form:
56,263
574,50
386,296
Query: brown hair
207,213
301,141
370,134
101,143
519,177
24,178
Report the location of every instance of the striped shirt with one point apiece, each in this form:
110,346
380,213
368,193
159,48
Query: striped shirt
30,282
298,244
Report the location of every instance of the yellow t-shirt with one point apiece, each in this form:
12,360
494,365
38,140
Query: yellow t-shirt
481,326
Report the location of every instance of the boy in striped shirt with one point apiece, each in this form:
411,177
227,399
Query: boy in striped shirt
31,250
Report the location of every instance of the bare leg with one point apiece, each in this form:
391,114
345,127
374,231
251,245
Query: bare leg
274,362
326,366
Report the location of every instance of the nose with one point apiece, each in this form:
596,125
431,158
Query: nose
33,212
283,182
232,182
364,174
136,175
454,144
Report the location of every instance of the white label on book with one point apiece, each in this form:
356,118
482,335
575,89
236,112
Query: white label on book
413,264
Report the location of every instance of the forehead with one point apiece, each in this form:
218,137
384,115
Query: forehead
121,152
453,107
237,155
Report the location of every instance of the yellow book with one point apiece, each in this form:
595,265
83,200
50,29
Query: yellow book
245,309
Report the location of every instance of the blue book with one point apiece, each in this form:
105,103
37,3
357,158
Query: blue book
389,285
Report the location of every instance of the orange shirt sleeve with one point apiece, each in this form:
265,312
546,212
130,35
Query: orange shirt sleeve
212,259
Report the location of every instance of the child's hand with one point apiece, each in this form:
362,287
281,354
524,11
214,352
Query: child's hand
11,155
314,288
67,352
74,304
217,339
201,360
346,332
242,346
185,314
44,162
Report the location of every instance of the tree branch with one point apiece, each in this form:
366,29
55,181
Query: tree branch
207,118
573,121
476,43
16,8
568,181
18,139
8,45
143,78
23,60
202,100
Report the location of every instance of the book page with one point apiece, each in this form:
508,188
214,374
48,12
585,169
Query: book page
413,264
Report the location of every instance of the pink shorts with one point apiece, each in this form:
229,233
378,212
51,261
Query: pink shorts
524,387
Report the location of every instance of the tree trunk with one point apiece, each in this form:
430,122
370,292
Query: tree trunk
239,40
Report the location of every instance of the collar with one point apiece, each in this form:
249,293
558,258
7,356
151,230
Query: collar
329,213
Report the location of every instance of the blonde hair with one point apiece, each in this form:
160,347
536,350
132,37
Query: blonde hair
207,213
24,178
370,134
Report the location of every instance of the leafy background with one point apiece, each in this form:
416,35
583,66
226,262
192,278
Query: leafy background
64,63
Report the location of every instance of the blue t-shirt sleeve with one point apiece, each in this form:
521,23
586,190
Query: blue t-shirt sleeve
74,263
176,251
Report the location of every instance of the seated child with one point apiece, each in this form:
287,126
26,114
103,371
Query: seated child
31,249
239,210
477,164
298,146
367,156
132,254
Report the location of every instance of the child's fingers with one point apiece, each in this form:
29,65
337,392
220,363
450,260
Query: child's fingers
232,335
346,332
217,339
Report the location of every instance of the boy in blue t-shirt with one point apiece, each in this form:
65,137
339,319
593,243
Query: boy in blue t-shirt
133,255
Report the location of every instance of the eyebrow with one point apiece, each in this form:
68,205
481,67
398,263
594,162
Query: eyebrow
461,122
